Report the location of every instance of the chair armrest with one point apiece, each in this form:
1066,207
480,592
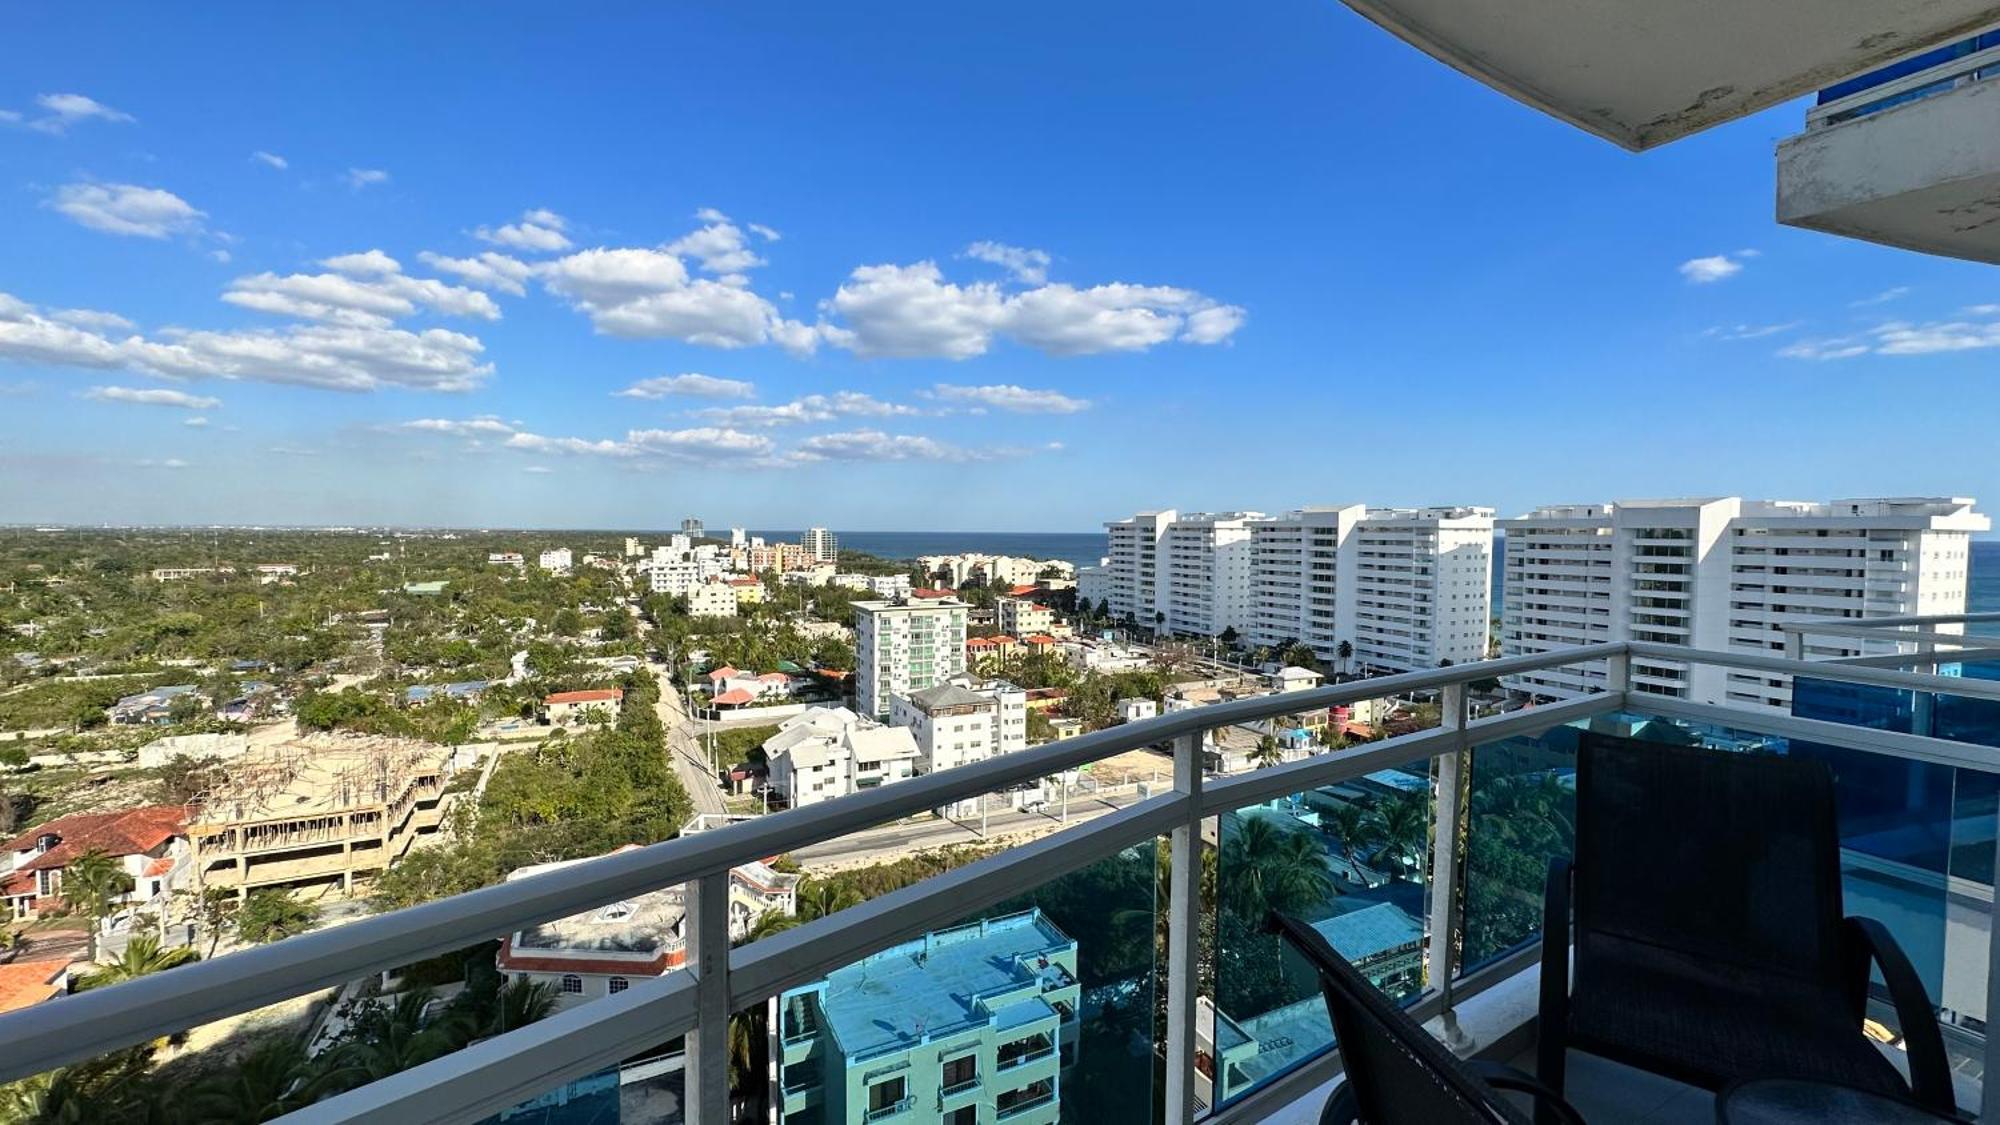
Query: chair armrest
1930,1069
1552,1020
1343,1108
1500,1076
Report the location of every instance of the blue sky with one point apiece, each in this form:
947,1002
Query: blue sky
937,267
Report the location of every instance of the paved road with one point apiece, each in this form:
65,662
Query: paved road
684,751
886,843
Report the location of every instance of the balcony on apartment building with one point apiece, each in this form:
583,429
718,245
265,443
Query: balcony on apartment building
1442,913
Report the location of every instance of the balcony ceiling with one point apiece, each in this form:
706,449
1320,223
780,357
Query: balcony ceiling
1640,73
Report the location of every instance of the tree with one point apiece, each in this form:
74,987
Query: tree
1229,636
768,923
1300,655
143,956
1347,823
817,899
1345,651
93,883
518,1004
271,915
212,910
183,778
1403,824
391,1039
1267,754
268,1081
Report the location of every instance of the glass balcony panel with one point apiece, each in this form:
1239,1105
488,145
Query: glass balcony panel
1521,814
1053,992
1353,860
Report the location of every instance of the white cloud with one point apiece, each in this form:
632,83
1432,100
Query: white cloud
647,294
691,385
127,209
488,271
1006,396
1838,348
720,246
540,231
371,301
1894,292
1749,331
168,463
699,444
64,110
197,421
94,319
874,445
153,396
811,408
1901,338
330,356
222,256
365,264
911,310
764,232
536,469
292,451
483,425
1030,267
270,159
358,178
1717,267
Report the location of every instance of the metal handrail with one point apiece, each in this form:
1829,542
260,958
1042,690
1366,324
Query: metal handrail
502,1071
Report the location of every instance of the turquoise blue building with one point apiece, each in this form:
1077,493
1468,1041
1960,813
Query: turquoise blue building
967,1026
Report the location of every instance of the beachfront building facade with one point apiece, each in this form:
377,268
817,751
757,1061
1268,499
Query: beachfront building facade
905,645
820,544
1722,573
1403,588
974,1024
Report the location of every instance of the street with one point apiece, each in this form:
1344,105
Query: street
876,845
684,750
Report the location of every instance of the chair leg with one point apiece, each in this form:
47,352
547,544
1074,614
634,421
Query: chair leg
1552,1022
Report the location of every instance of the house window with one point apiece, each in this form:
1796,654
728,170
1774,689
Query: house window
966,1115
619,984
958,1071
572,984
885,1095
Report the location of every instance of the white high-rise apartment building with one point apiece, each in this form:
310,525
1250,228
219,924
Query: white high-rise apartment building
632,548
1203,582
903,646
1404,588
1133,558
820,544
1722,573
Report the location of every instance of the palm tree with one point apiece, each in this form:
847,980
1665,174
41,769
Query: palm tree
93,883
768,923
818,899
1403,825
519,1004
1345,651
1346,823
1267,754
1267,868
394,1040
271,1080
143,956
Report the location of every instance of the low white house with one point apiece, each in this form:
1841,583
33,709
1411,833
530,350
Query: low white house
830,752
558,561
1134,709
572,708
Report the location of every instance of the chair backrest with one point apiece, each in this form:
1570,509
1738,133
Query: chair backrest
1397,1070
1728,857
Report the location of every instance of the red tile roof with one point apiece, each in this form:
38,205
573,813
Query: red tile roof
160,866
121,833
593,695
928,592
26,983
744,581
1018,591
1002,639
722,673
772,677
734,697
1038,639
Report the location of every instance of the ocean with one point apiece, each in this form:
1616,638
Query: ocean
1084,548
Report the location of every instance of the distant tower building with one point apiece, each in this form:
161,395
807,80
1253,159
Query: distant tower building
820,544
738,538
632,548
691,527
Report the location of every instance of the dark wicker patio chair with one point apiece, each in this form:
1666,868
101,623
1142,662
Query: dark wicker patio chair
1396,1073
1710,944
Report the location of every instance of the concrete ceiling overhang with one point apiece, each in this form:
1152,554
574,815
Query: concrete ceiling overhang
1640,73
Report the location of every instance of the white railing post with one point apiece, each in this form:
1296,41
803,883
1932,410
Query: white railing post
1989,1085
1183,933
1618,672
1447,833
708,958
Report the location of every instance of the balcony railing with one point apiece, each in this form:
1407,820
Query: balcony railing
697,1001
1920,76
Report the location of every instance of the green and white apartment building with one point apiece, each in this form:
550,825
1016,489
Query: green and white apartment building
967,1026
905,645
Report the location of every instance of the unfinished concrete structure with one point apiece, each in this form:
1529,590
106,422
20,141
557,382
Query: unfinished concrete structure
327,812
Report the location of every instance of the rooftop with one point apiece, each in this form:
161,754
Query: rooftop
26,983
932,986
593,695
